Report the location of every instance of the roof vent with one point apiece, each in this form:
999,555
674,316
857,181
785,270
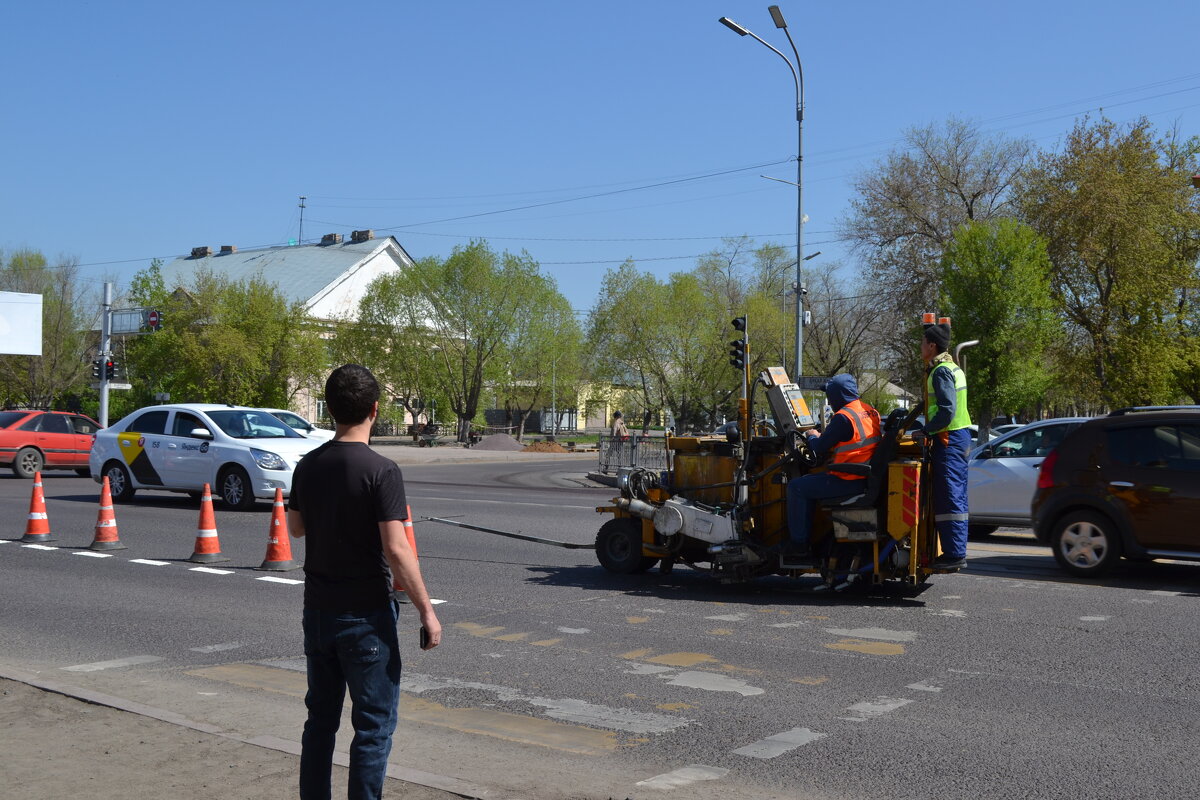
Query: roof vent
201,252
228,249
362,236
331,238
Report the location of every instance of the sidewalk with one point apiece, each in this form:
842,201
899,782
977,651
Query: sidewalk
60,741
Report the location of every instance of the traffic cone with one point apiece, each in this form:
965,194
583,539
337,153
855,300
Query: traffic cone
106,523
37,529
412,542
208,546
279,547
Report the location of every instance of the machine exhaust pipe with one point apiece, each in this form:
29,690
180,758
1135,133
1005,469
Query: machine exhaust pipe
636,507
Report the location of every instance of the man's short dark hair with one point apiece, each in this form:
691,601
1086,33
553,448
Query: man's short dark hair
351,392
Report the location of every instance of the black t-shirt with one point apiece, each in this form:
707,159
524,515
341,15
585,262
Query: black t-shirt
344,490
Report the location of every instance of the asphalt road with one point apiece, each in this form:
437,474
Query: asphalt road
557,679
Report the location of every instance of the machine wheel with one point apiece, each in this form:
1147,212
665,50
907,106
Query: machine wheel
1086,543
29,461
235,488
619,547
981,531
119,484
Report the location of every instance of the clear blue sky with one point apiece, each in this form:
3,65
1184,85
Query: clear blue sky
139,130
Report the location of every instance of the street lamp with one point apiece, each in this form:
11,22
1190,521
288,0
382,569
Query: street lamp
798,78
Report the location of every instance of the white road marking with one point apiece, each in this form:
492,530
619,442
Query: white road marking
684,776
273,579
779,744
216,648
875,633
567,709
435,602
1093,619
93,554
1147,602
924,687
150,562
574,630
789,624
120,662
869,709
713,682
730,617
457,500
5,541
39,547
647,669
211,571
949,612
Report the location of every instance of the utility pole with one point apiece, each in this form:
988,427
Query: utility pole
105,347
300,240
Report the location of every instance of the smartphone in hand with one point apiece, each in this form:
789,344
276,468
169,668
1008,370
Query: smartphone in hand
424,638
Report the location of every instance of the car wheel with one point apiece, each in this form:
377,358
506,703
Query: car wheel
235,488
119,484
1086,544
981,531
28,462
619,547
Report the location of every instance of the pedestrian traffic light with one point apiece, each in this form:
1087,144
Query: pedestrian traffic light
737,353
96,368
110,369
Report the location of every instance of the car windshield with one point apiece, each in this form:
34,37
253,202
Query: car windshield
245,424
291,419
9,417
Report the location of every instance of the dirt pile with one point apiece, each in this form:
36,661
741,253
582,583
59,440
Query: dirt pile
545,447
499,441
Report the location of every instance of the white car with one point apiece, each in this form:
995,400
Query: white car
1002,474
300,424
242,453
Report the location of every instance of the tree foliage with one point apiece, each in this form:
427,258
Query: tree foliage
45,381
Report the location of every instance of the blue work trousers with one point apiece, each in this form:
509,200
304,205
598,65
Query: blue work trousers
806,492
359,652
950,491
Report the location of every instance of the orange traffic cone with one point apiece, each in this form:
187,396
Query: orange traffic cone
412,542
279,547
106,523
37,529
208,546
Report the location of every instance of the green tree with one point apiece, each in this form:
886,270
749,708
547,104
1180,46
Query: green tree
1122,229
996,288
223,341
62,369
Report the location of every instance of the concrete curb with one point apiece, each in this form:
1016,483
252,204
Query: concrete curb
407,774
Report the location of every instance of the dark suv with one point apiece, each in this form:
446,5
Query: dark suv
1123,485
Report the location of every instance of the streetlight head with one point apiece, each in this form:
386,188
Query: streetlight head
1196,181
733,26
777,16
812,256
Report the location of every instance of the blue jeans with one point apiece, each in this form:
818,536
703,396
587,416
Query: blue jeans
804,494
950,491
361,652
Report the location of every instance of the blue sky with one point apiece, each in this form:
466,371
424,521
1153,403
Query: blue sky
140,130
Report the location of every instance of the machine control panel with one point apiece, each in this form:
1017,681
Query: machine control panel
790,409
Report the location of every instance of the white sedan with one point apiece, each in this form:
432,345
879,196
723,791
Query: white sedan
1002,474
300,424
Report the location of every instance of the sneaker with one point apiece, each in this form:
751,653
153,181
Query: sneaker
949,562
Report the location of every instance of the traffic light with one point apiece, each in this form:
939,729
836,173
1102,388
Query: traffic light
110,369
96,368
737,353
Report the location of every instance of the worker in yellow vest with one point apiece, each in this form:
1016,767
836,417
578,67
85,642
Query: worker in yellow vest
947,426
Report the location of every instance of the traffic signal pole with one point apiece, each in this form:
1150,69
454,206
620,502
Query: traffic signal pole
105,348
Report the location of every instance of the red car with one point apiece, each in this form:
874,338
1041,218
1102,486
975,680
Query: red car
32,441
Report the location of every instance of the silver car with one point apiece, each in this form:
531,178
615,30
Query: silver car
1002,474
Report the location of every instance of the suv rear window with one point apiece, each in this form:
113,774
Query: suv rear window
1173,447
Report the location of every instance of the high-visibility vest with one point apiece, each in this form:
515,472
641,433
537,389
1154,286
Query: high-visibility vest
864,421
962,417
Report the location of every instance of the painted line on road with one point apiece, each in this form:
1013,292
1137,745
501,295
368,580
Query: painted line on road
93,554
684,776
498,502
875,633
211,571
779,744
273,579
216,648
120,662
869,709
40,547
150,562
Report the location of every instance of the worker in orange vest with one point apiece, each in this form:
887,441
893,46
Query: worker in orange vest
850,438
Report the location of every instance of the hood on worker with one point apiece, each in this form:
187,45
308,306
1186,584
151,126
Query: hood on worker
841,389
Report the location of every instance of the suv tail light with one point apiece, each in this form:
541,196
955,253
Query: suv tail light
1046,474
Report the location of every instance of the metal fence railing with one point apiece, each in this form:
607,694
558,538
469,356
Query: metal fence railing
649,452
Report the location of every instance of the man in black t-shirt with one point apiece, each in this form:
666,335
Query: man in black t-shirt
348,501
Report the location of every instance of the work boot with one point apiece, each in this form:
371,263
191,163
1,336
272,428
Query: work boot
949,562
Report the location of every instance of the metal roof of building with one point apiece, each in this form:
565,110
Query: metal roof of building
299,271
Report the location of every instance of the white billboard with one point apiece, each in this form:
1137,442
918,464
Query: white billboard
20,324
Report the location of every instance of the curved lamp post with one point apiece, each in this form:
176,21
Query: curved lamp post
798,77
